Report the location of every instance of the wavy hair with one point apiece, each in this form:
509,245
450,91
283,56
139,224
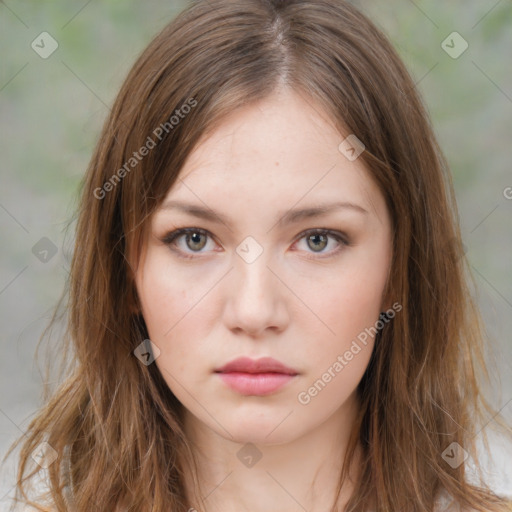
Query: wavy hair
113,422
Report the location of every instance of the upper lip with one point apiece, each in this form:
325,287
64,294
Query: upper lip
262,365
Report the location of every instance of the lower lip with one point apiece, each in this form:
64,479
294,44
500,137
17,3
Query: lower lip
258,384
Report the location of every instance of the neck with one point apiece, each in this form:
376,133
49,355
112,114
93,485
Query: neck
301,473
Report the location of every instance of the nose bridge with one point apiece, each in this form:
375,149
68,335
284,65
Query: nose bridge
254,290
254,279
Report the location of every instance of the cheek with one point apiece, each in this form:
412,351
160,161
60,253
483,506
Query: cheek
347,308
175,309
352,295
342,350
167,297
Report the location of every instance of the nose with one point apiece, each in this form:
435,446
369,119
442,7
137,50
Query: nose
256,298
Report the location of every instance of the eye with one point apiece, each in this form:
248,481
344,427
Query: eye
195,239
318,239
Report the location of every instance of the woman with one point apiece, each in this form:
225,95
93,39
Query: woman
268,299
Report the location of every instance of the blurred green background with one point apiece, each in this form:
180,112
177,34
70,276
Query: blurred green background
52,110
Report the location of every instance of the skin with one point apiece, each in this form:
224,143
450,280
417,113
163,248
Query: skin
303,304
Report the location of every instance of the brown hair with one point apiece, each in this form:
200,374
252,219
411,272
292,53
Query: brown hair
113,422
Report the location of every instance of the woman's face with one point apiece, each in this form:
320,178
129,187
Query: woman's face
264,275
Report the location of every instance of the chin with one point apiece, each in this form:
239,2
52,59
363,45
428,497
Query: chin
261,437
271,431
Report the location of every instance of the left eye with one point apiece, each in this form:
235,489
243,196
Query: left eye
317,240
196,239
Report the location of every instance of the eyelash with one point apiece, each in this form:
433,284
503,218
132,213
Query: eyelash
170,238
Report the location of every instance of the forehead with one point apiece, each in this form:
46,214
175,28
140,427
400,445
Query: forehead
284,127
274,154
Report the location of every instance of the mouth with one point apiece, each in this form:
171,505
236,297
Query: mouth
258,377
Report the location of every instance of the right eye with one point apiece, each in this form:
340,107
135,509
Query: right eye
195,239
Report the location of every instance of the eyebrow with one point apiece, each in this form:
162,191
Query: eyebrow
284,218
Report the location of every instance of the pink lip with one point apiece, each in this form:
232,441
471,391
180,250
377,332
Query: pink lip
255,377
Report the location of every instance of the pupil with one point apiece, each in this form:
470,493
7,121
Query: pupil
194,237
315,237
